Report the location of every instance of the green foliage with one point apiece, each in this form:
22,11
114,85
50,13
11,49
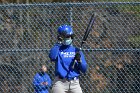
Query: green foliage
116,0
135,41
38,1
129,8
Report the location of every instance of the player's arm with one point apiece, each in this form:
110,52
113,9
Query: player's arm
82,64
54,52
37,85
49,81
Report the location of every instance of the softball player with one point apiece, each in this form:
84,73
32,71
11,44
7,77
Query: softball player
69,62
42,81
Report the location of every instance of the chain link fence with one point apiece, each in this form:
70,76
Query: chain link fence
28,31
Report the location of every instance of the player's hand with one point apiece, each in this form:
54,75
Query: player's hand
44,83
59,38
78,57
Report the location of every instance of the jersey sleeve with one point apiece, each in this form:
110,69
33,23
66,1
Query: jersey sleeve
53,53
49,81
37,84
83,64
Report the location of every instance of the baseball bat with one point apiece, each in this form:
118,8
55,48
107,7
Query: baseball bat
88,29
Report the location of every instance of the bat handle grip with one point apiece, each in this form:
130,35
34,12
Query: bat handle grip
73,64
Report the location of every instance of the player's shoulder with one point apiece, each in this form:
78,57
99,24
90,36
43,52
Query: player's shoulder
77,49
36,75
46,74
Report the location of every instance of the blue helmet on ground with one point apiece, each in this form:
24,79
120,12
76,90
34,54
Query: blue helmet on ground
65,30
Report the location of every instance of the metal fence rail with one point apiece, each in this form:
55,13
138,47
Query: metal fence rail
28,31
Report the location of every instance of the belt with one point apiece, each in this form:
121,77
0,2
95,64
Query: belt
65,78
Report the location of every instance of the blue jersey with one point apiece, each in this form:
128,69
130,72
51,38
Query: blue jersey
38,79
63,56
